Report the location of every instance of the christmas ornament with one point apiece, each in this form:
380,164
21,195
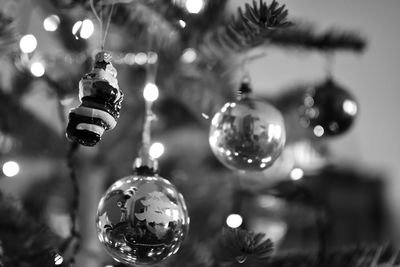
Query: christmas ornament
101,103
142,219
248,134
329,109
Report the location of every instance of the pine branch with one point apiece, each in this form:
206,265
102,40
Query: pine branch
260,25
8,34
238,245
152,26
250,28
307,37
15,122
25,242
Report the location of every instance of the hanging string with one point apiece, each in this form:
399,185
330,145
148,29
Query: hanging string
243,67
146,135
237,194
107,25
103,31
152,66
329,64
151,72
100,20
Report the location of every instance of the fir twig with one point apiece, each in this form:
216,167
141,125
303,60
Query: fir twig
307,37
261,24
240,245
10,123
251,27
8,34
25,242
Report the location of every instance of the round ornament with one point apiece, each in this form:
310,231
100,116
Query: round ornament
248,134
142,219
329,109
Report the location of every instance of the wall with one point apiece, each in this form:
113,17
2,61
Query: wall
373,76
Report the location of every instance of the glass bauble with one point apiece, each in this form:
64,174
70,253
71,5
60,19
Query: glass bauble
247,135
329,109
142,219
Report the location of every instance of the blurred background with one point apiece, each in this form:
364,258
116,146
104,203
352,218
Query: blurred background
353,176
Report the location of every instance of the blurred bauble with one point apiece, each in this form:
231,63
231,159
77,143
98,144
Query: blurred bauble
329,109
142,220
248,134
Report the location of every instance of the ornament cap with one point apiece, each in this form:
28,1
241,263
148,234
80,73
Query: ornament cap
145,165
245,88
103,56
145,170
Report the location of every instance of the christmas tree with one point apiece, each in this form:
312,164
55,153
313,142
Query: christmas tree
80,97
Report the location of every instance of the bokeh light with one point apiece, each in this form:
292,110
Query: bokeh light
83,29
156,150
37,69
10,168
150,92
189,55
28,43
234,220
194,6
51,23
296,174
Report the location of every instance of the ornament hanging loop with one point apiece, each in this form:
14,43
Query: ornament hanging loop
99,17
244,88
145,160
330,61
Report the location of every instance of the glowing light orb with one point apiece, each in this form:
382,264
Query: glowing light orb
156,150
194,6
11,168
234,220
37,69
296,174
51,23
150,92
28,43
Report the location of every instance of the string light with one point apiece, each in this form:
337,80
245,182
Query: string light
189,55
58,259
234,220
296,174
152,58
150,92
83,29
28,43
141,58
182,23
37,69
318,131
156,150
205,116
76,28
87,29
10,168
350,107
194,6
51,23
